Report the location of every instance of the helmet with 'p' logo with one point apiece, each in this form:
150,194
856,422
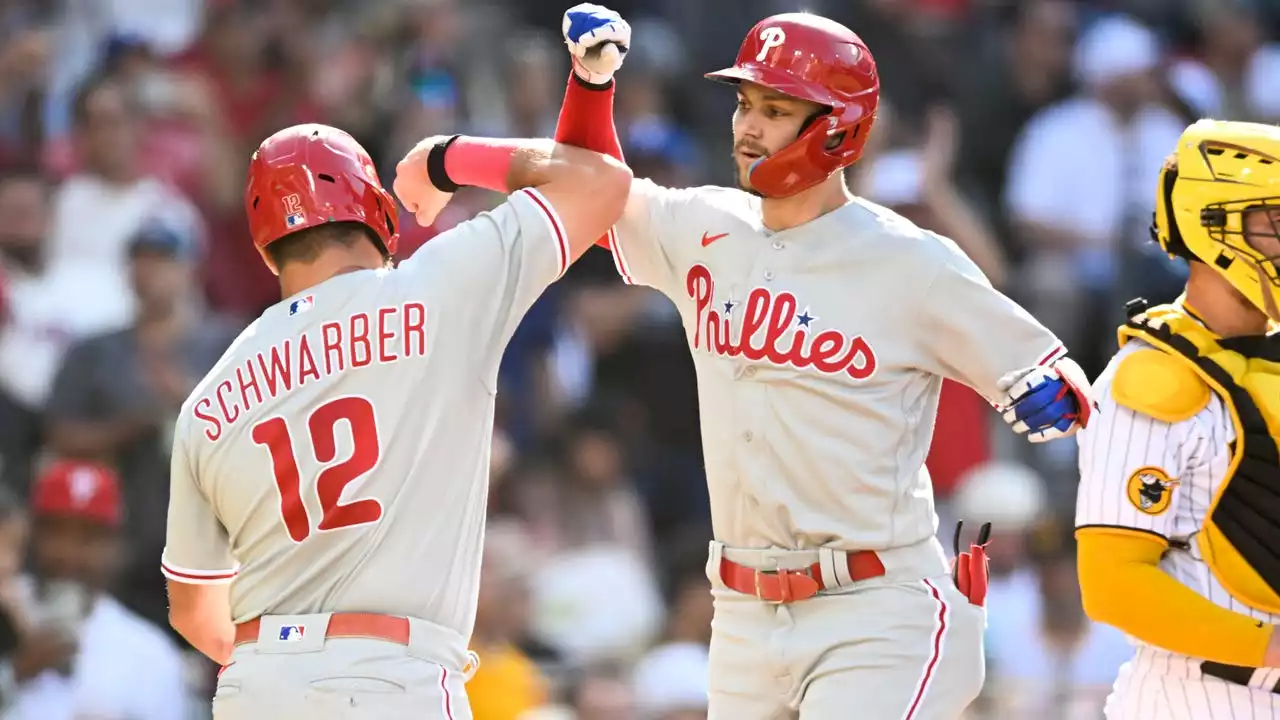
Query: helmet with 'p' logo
819,60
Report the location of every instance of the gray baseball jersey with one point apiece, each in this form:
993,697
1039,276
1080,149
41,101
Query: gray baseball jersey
336,458
820,353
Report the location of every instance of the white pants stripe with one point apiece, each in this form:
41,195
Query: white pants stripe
1159,685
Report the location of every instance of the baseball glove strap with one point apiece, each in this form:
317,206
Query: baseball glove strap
786,586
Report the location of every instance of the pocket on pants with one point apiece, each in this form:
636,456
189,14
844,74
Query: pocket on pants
356,684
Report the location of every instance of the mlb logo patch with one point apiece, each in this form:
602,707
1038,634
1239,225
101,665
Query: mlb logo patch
302,304
293,210
292,633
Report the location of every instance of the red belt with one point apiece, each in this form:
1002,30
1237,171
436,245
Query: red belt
370,626
784,586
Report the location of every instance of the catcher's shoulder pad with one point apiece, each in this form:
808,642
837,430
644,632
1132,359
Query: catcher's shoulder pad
1154,383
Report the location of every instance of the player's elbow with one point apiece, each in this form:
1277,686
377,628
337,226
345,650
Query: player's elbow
213,637
604,178
609,183
611,186
589,196
184,622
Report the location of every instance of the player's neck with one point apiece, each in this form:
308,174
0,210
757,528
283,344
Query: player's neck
297,277
1221,307
784,213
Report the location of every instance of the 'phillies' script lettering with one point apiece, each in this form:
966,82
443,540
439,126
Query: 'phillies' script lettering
766,320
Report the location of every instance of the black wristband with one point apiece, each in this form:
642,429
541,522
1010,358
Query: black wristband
435,167
593,86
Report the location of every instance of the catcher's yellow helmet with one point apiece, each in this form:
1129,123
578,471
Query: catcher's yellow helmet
1223,170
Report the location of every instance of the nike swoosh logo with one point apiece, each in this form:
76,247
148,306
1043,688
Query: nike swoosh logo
708,239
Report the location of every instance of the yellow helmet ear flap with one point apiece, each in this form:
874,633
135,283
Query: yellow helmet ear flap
1164,226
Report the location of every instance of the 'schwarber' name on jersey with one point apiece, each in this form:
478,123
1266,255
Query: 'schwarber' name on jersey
390,334
766,319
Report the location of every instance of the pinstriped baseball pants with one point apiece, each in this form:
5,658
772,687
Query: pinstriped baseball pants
1159,685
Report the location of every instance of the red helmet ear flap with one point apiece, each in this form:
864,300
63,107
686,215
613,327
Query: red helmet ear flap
829,142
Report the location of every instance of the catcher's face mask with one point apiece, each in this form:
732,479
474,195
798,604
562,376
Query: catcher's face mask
1262,233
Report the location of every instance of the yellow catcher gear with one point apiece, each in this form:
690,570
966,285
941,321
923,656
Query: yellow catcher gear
1222,170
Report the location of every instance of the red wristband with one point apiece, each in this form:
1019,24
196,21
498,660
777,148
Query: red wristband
480,162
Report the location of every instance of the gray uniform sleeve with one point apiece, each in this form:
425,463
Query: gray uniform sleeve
487,272
638,240
197,550
976,335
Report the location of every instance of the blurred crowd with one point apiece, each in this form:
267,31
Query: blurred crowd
1030,131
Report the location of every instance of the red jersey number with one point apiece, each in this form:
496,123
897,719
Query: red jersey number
322,430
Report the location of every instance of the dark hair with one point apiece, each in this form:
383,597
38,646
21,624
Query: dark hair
305,246
85,92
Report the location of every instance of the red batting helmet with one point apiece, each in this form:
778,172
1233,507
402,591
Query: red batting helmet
309,175
816,59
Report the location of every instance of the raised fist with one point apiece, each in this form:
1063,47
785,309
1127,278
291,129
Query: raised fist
414,187
598,39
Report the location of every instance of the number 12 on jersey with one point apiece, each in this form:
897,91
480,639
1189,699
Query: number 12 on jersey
322,431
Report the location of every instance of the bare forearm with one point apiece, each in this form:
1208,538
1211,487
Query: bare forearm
507,165
532,165
202,615
215,643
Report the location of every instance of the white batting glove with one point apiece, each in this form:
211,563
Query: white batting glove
413,186
1048,403
598,39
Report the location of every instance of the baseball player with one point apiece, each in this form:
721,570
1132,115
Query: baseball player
330,473
1178,519
821,327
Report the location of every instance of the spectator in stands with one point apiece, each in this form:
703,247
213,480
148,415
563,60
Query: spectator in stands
99,208
598,503
670,681
22,652
602,693
25,51
38,321
998,94
117,395
507,682
535,74
1079,192
1052,658
101,660
1043,653
1233,74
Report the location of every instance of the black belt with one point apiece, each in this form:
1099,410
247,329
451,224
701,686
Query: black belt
1235,674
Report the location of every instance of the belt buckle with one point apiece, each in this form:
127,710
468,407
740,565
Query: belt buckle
784,585
756,575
